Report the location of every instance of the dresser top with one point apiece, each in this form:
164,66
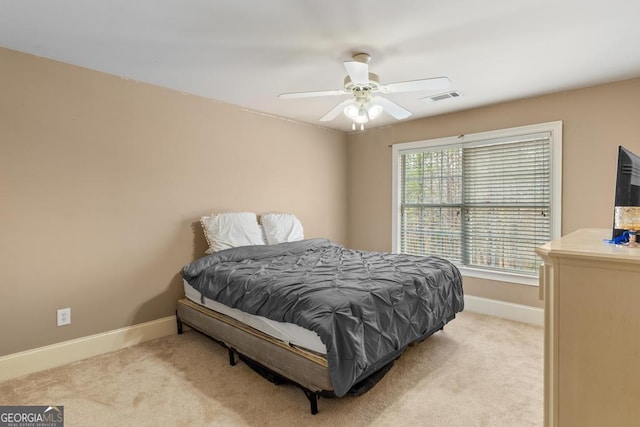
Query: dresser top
589,243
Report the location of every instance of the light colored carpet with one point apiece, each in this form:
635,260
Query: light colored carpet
481,371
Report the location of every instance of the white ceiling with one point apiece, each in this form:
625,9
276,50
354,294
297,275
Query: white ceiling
247,52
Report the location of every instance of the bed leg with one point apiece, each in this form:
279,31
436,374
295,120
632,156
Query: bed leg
178,324
232,359
313,399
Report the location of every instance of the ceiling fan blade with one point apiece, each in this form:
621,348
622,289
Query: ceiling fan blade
294,95
358,72
335,111
436,83
391,107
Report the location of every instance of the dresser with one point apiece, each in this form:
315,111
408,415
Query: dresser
592,331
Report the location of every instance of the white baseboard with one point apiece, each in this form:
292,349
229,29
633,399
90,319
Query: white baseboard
38,359
26,362
505,310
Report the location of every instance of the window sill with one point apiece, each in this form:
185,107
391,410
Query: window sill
520,279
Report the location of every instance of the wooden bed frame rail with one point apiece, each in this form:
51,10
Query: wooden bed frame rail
277,359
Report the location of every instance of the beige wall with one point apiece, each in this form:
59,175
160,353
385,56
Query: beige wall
595,121
102,180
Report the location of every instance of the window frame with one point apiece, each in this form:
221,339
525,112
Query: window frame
555,152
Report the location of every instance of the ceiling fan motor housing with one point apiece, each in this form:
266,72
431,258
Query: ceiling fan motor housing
372,86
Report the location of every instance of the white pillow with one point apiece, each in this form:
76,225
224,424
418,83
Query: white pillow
280,228
230,230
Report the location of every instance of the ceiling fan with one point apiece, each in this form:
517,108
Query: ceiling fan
365,105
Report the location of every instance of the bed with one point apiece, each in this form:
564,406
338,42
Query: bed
329,319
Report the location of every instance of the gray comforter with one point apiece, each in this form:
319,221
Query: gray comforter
365,306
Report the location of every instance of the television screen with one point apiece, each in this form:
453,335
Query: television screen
627,182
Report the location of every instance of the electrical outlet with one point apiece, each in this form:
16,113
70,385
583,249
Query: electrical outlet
64,316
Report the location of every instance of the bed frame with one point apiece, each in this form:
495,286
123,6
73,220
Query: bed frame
306,369
274,359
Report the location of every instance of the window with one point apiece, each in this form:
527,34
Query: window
484,201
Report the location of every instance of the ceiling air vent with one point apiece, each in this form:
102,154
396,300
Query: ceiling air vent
442,96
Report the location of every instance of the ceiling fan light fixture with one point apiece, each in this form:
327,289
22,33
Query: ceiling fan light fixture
358,112
351,111
374,110
362,116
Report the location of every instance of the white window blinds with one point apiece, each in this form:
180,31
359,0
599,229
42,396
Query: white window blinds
507,203
431,192
486,204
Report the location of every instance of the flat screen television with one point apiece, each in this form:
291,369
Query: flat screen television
627,182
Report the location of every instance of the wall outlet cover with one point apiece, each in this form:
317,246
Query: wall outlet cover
64,317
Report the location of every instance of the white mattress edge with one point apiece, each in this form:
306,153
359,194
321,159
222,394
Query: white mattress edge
287,332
